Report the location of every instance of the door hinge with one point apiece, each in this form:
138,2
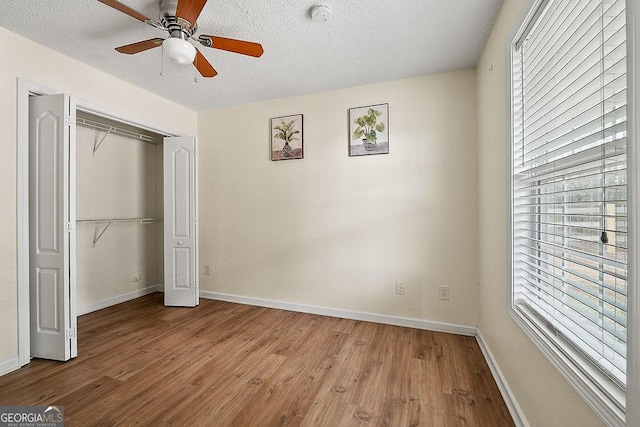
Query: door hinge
69,121
69,227
70,333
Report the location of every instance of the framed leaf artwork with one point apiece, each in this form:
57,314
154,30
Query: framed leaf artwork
369,130
286,138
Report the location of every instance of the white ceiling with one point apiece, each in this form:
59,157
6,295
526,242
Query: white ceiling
366,41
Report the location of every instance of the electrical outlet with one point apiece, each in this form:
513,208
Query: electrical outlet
207,270
399,288
444,293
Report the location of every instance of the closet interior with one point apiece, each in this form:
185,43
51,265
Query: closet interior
119,211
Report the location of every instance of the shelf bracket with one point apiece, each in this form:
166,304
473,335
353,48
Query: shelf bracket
97,143
96,235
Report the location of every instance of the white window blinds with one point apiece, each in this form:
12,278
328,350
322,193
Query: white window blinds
570,179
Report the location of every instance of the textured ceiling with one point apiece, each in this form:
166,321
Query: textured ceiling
366,41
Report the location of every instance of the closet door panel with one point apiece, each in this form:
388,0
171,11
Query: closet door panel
181,271
180,225
51,193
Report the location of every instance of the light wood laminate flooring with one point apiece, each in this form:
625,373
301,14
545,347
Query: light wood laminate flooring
224,364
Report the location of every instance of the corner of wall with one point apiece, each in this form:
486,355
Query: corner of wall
509,398
9,365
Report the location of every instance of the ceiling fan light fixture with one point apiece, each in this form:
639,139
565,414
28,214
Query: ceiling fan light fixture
179,50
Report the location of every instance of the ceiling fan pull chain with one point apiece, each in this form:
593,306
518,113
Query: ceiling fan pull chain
162,63
195,69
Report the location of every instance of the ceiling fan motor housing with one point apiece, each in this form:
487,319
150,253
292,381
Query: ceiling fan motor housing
168,8
177,27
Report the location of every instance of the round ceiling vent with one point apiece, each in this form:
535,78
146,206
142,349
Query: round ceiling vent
321,12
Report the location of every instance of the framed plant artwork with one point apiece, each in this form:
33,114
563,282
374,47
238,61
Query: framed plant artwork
286,138
369,130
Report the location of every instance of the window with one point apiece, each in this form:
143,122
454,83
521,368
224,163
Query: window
569,192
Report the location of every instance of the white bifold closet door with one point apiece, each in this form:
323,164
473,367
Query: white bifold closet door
180,222
51,227
52,217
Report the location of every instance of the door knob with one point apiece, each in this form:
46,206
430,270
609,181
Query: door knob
180,243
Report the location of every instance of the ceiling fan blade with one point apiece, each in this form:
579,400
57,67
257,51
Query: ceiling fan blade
189,10
125,9
203,66
138,47
233,45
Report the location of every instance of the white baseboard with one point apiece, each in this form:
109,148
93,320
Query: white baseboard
116,300
9,365
510,400
345,314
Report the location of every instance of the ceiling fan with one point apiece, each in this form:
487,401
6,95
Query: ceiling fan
178,18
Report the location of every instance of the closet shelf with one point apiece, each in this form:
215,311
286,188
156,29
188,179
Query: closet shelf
106,223
90,222
113,130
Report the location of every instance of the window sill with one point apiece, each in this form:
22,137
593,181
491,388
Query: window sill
606,403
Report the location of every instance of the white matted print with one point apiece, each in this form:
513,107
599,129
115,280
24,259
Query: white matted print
286,138
369,130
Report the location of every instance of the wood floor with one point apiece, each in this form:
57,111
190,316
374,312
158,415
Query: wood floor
224,364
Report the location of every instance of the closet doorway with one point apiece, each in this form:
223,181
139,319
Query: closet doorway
100,229
119,212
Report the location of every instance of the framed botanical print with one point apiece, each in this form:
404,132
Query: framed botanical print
286,138
369,130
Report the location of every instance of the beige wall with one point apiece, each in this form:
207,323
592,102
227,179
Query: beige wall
544,396
338,231
28,60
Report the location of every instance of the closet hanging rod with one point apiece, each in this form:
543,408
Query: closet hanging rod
114,130
90,222
106,223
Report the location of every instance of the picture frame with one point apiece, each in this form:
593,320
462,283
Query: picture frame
369,130
287,137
